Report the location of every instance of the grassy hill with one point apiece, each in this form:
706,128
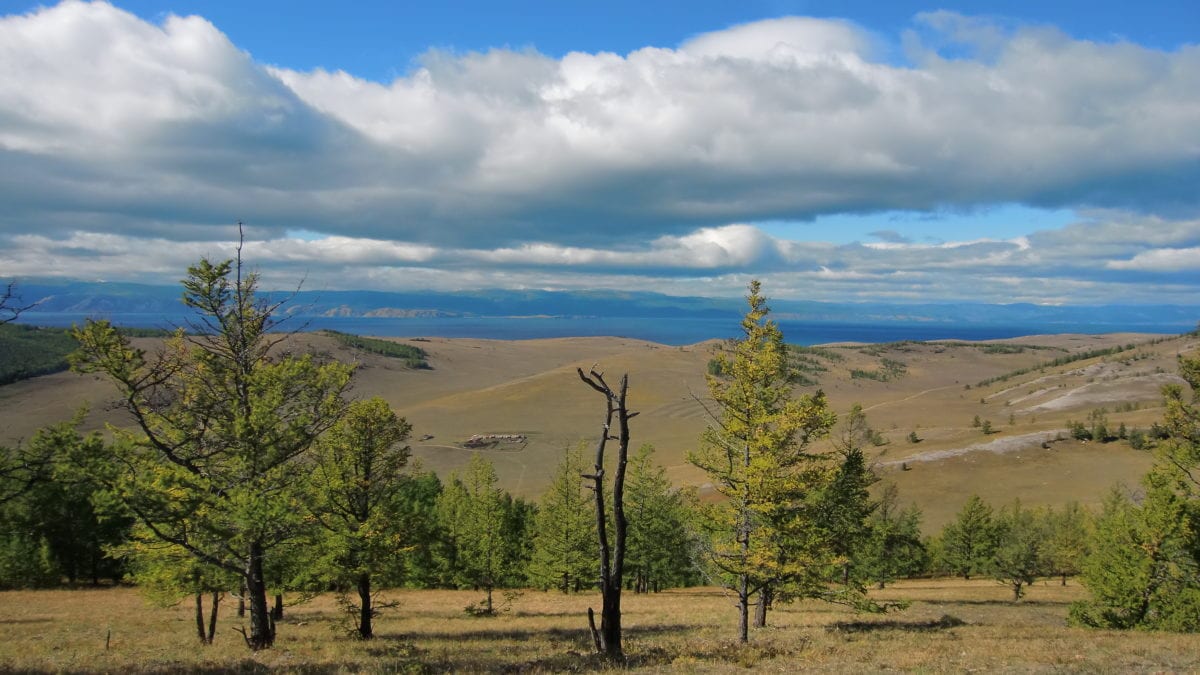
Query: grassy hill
1027,389
26,351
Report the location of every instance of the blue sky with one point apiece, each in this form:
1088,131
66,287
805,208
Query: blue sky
1017,151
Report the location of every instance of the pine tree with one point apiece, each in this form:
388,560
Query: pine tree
1067,540
967,543
1019,557
659,548
893,548
355,484
564,531
1143,570
757,455
220,422
473,516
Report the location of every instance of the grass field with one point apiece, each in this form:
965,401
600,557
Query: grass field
950,626
529,388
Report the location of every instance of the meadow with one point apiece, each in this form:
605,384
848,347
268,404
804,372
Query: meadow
950,625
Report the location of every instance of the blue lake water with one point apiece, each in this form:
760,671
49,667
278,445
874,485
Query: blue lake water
670,331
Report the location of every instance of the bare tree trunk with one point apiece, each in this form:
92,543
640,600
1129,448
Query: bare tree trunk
277,610
612,560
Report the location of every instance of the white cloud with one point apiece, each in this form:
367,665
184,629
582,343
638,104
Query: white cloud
640,170
138,125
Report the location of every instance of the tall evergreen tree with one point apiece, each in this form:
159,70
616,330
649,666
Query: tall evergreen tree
564,532
473,515
968,542
757,455
1068,533
220,420
356,479
659,550
893,548
1019,556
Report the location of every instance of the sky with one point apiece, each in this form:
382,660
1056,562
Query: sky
838,151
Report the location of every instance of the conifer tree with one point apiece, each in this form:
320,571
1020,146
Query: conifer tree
1068,535
893,547
472,513
757,454
564,532
1019,556
220,421
1143,569
967,543
356,480
659,547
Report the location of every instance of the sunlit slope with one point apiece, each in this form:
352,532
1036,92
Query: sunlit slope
525,401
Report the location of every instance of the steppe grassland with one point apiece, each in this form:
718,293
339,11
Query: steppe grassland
951,625
530,388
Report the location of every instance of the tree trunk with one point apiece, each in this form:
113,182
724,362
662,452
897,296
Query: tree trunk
277,610
764,604
743,608
262,628
1017,592
200,618
1064,579
241,610
212,617
365,611
612,560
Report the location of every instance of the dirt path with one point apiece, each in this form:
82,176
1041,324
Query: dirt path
910,397
998,446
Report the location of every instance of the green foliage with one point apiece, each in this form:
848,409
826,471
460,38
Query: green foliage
1068,535
220,426
564,531
355,485
888,370
1064,360
485,530
413,357
659,547
1143,570
27,351
1019,555
50,528
762,535
893,548
968,542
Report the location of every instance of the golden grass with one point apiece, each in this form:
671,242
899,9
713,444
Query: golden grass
950,626
529,387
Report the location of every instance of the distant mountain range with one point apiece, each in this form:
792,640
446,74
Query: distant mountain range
98,299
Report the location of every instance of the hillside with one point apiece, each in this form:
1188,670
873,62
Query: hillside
1028,389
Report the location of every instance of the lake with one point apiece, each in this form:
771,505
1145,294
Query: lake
670,331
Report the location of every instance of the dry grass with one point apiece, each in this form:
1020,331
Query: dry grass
529,387
951,625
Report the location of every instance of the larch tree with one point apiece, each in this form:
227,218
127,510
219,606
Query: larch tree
564,531
1019,556
1068,536
757,453
893,547
472,513
357,475
1143,568
659,550
968,542
220,419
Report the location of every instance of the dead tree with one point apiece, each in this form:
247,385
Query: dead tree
612,558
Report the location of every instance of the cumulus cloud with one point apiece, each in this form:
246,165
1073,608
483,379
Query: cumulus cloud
120,123
650,169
